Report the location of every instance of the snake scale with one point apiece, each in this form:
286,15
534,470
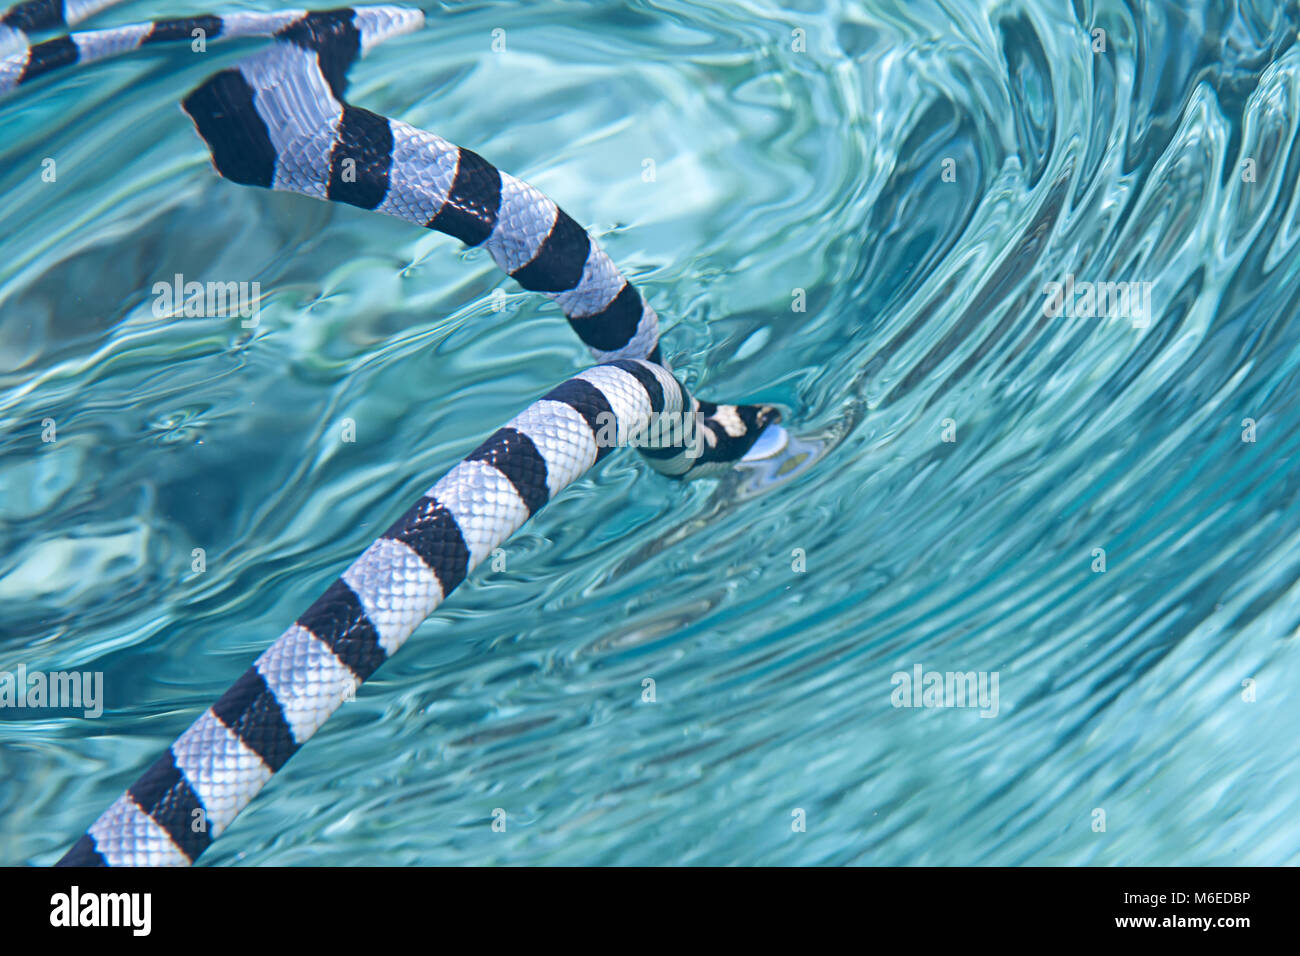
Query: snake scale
278,119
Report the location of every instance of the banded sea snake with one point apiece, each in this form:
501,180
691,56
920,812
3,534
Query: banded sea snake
278,119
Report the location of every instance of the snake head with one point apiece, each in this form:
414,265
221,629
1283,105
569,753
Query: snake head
729,432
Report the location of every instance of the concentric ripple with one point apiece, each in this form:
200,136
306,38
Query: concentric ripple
855,211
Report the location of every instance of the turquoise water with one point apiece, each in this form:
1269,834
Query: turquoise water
824,170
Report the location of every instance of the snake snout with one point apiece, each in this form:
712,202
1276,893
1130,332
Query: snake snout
753,421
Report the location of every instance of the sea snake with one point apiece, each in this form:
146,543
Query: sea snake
278,119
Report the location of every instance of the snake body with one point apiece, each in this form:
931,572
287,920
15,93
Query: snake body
278,119
23,19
